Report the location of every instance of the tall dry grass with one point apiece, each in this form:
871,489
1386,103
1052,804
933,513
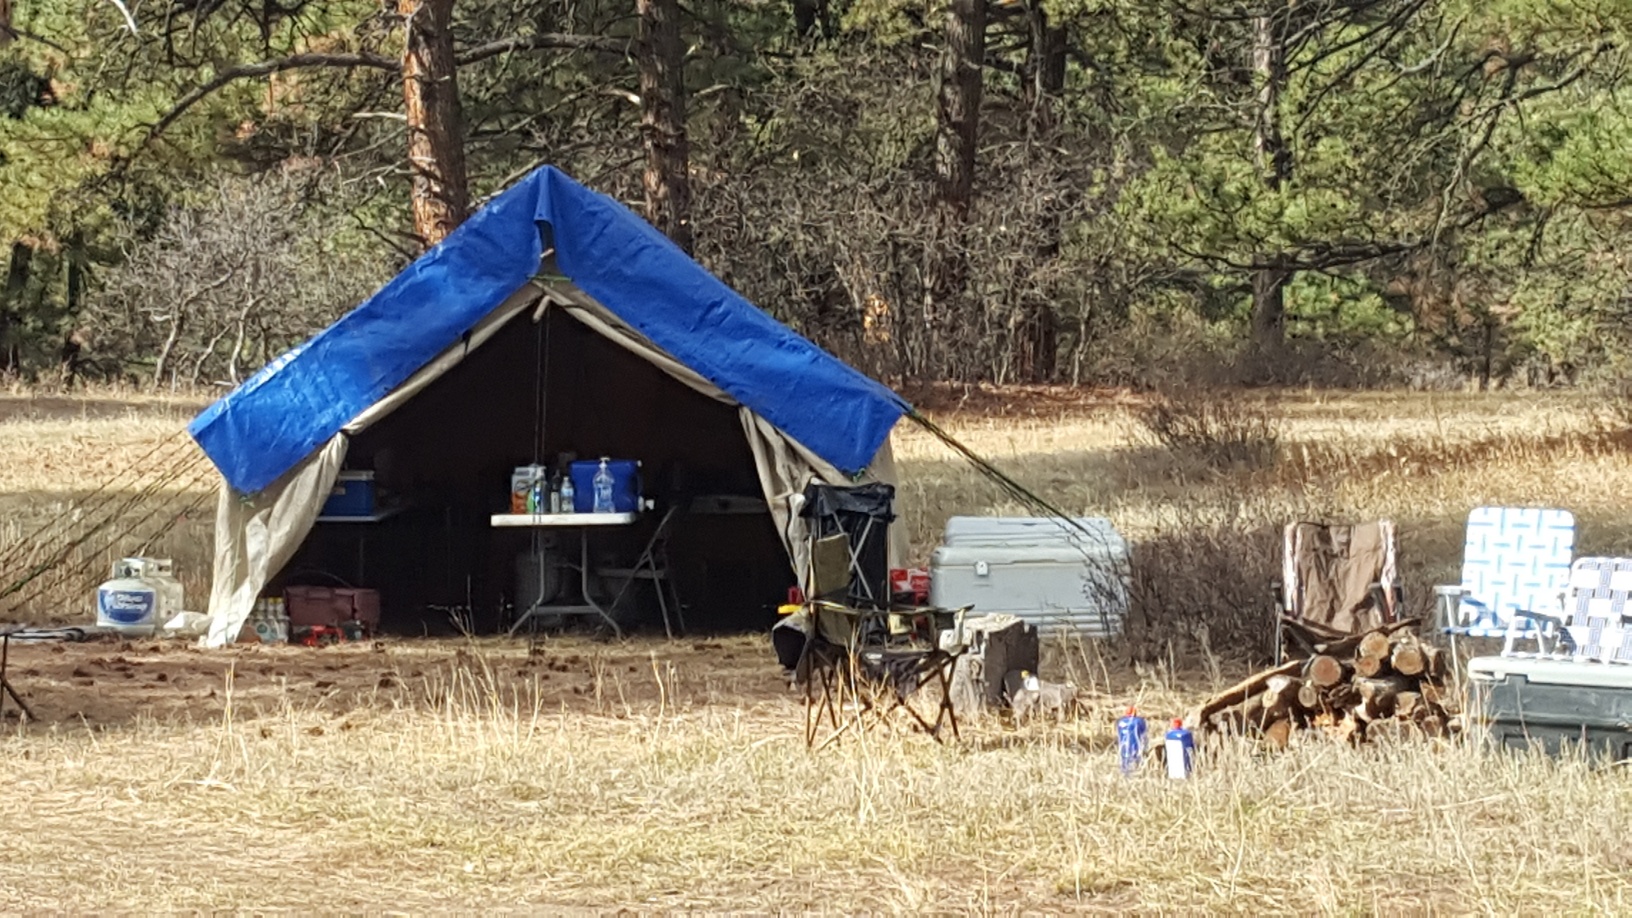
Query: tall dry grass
464,791
89,477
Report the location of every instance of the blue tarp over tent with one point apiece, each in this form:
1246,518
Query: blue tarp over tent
299,401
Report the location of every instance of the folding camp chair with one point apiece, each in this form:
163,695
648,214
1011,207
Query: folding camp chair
31,635
854,684
5,681
1599,623
653,566
1336,581
1515,570
862,514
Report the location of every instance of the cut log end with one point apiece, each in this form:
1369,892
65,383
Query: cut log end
1408,659
1374,646
1324,671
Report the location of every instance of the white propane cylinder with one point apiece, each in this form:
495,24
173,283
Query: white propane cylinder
160,572
127,603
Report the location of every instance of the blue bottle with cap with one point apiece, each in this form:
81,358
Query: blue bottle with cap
1180,746
1130,740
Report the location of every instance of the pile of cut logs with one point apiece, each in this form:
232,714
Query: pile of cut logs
1384,681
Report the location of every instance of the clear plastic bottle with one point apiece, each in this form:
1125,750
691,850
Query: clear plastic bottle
567,495
603,487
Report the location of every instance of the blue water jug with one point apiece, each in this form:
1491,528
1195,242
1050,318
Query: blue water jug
1180,746
1130,741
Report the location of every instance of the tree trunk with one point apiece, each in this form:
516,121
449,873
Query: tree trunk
11,302
436,142
161,364
958,121
810,18
1274,164
957,132
1044,69
1036,347
663,120
69,356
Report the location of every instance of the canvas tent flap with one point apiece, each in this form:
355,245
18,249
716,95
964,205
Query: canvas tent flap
256,535
297,403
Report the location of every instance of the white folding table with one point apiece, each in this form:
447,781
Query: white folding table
583,522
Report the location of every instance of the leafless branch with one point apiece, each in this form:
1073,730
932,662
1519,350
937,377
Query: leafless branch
262,69
548,42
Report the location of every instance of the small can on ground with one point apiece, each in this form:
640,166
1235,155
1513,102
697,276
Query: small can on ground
1130,740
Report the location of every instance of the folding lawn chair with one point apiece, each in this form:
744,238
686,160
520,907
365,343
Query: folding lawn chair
1336,581
1515,570
1596,603
862,514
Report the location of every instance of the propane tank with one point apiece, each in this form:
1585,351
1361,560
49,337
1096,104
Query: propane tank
160,572
128,603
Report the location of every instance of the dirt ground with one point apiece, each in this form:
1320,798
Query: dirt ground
110,683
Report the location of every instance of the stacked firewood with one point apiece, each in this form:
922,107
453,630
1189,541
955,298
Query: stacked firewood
1384,681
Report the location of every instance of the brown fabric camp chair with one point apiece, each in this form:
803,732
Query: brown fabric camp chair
1336,580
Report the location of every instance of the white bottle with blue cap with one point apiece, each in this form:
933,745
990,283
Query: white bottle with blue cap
1180,747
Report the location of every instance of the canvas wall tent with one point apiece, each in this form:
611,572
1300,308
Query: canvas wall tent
553,319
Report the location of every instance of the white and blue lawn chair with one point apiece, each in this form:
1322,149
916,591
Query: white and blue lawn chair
1599,610
1515,570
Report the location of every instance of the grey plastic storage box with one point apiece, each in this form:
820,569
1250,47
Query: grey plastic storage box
1553,704
1059,579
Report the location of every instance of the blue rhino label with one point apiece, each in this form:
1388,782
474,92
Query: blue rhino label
126,607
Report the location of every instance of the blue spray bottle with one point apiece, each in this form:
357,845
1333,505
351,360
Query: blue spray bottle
1130,740
1180,747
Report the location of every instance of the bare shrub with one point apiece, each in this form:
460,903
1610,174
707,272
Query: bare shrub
1216,429
1200,588
221,288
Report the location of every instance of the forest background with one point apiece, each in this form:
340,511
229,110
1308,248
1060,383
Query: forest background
1306,192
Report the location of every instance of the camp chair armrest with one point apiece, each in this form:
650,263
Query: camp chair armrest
1542,619
1545,634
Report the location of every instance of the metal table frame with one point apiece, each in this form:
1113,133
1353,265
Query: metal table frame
583,522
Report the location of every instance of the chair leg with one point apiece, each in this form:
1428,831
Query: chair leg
5,683
663,606
674,599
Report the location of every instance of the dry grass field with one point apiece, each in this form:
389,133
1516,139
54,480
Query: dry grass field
414,776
